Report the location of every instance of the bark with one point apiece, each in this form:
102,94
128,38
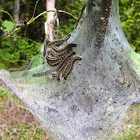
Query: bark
50,5
17,10
101,87
16,13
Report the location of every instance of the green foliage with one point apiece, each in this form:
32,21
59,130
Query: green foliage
24,132
131,130
3,98
16,53
6,25
67,23
130,18
36,61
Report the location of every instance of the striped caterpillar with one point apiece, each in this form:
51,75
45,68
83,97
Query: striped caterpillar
21,69
54,43
66,67
17,25
43,73
62,57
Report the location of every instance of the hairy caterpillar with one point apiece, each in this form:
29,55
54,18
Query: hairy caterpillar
17,25
43,73
20,24
21,69
60,42
70,66
48,44
66,67
56,57
62,57
8,32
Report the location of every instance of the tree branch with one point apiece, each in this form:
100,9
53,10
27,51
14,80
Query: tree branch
103,23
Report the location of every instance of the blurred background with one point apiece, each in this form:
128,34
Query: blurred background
16,122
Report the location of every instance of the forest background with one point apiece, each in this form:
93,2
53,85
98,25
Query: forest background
15,120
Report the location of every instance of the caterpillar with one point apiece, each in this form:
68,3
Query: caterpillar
67,47
49,44
62,66
8,32
55,61
63,57
58,60
21,69
70,67
17,25
66,67
60,42
20,24
43,73
122,80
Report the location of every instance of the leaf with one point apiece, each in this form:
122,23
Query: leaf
36,61
8,25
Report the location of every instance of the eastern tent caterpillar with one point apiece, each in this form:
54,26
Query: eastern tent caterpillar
63,57
57,57
49,72
21,69
60,42
59,70
8,32
122,80
48,44
17,25
67,47
65,68
20,24
62,66
70,67
54,63
54,54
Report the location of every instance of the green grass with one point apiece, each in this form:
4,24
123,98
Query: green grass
131,127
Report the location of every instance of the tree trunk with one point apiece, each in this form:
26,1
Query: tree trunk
98,91
49,25
16,13
17,10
